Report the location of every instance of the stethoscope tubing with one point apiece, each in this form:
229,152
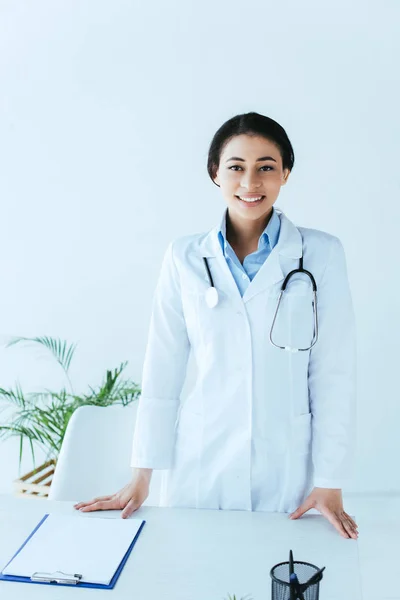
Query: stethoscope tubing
212,301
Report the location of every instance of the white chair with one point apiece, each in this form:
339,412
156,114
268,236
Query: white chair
95,455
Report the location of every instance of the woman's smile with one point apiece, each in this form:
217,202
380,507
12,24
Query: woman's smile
249,202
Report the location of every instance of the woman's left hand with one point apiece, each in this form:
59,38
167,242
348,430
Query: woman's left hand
329,502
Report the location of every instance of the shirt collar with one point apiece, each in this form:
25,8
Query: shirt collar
269,236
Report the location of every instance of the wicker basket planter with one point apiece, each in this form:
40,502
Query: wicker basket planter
36,483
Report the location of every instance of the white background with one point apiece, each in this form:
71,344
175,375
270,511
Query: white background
107,110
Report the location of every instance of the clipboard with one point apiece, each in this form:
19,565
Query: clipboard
66,579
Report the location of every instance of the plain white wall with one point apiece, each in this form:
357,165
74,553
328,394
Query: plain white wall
106,113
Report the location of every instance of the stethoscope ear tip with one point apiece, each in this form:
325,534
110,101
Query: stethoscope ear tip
211,297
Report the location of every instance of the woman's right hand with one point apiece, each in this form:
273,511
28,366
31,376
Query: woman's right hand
129,498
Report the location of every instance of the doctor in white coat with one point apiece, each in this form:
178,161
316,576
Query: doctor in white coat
263,428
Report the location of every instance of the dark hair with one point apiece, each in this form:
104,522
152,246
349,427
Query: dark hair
251,123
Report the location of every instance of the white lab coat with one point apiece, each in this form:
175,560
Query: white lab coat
261,426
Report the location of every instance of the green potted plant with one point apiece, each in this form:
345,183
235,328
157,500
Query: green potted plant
41,418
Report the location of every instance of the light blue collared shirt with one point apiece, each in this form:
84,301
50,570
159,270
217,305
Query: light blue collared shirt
245,273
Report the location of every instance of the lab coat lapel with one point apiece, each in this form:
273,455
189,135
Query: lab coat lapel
279,262
224,281
269,273
274,269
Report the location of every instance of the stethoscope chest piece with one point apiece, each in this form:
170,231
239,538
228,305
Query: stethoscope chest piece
211,297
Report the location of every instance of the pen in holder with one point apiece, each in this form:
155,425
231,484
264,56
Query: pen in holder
295,580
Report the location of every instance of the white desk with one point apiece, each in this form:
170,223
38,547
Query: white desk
185,554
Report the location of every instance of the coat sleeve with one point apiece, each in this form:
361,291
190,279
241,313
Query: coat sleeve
164,373
332,376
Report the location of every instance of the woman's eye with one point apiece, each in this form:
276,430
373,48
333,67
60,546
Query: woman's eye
263,167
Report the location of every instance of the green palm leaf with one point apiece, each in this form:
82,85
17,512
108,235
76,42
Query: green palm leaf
15,397
41,418
61,351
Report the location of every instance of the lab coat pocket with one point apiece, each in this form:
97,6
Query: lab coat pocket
207,324
298,287
188,428
184,477
301,433
298,481
294,324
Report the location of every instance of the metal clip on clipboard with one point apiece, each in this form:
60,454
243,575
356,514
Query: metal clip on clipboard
57,577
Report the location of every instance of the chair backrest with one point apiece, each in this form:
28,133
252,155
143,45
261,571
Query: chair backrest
95,456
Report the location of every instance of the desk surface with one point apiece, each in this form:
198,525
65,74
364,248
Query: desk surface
185,554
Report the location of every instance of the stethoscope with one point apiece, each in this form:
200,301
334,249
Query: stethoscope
211,297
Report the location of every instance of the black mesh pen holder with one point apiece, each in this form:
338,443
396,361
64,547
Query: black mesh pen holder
281,581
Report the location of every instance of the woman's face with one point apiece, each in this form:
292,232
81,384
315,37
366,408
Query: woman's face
241,173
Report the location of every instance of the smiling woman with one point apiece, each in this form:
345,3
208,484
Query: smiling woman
232,177
263,428
250,157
